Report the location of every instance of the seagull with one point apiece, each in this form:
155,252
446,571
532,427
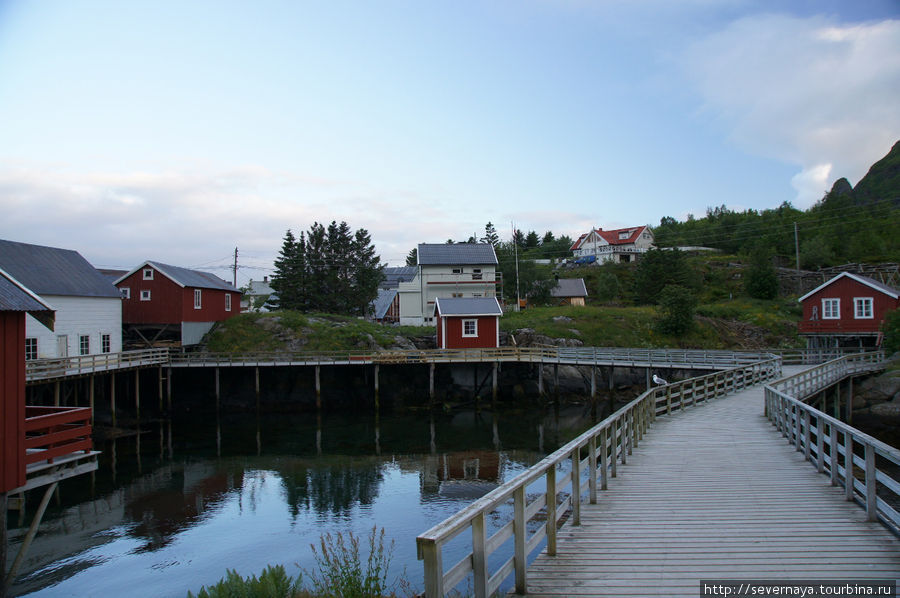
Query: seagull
658,380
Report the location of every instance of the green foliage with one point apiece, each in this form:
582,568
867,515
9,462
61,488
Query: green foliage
412,258
761,280
273,582
607,286
891,329
676,305
327,269
342,572
490,235
658,269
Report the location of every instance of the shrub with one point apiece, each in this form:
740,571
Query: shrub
677,305
273,582
891,329
341,572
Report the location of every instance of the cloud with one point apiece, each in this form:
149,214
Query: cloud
806,91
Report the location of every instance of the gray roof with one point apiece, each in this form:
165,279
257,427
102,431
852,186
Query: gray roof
395,275
455,254
54,271
468,306
569,287
383,302
15,297
185,277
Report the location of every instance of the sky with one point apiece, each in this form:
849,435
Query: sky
178,131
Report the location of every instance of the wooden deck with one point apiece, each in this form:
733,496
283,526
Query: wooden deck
714,493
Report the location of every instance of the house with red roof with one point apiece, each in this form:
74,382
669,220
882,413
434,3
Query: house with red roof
169,303
619,246
846,311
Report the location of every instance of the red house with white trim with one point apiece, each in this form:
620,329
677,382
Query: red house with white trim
467,322
163,302
846,311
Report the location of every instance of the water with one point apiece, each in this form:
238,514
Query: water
171,509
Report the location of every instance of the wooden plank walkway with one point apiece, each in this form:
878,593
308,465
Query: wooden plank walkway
714,493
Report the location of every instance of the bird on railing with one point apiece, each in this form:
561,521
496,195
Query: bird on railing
658,380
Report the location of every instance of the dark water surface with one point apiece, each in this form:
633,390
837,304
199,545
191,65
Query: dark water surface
172,508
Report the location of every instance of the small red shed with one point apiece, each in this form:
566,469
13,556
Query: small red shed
848,310
160,301
467,322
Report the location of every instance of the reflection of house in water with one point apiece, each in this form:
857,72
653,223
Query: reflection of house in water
173,496
462,475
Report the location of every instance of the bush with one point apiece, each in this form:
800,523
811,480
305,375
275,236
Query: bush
273,582
341,573
677,305
891,329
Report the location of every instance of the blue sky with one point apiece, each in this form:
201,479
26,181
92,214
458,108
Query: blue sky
177,131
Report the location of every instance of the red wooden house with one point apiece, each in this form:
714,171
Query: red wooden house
846,311
163,302
467,322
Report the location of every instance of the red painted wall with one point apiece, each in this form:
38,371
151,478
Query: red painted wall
846,289
172,304
12,400
487,332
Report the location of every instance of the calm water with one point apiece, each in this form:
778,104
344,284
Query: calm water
171,509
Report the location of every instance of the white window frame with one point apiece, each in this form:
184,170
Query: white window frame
227,301
864,302
105,343
198,299
84,344
831,308
148,273
126,292
474,323
476,273
31,348
456,270
145,295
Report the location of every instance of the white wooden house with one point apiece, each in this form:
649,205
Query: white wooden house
88,307
619,245
447,270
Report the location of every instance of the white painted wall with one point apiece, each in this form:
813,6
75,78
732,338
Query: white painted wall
77,316
417,296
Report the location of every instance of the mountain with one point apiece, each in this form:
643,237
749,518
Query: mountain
882,182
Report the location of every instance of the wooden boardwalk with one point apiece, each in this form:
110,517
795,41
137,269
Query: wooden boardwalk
714,493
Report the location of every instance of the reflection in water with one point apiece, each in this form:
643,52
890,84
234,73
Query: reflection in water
215,496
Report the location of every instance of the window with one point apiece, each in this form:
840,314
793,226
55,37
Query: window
31,348
126,292
105,343
456,295
831,309
84,345
148,273
145,295
476,273
862,308
456,270
198,299
227,301
625,235
470,327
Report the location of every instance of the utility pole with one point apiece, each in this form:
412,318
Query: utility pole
516,253
235,267
797,247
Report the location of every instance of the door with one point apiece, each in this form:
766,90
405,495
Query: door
62,345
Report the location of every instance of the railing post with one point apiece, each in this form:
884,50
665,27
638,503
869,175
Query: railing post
604,458
551,510
871,484
576,486
519,533
430,553
806,434
479,558
592,467
849,490
833,439
820,444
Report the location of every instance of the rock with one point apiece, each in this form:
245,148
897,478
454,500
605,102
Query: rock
562,319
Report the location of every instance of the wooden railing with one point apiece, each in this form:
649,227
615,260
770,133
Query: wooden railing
550,493
863,465
52,432
47,369
620,357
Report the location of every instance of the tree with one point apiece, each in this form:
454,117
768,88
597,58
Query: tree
658,269
761,279
676,307
367,273
519,238
283,280
412,258
532,240
490,235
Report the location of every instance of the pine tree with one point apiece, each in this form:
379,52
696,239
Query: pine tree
283,278
368,272
412,258
490,235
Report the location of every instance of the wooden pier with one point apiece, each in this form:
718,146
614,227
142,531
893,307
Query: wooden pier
713,478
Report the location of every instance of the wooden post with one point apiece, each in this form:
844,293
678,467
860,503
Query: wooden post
430,553
593,382
871,485
576,486
160,387
541,379
850,400
91,398
169,388
592,467
217,388
137,393
820,444
479,558
431,381
833,440
604,458
256,381
377,368
112,396
494,381
848,466
56,393
318,389
519,533
551,511
29,537
613,445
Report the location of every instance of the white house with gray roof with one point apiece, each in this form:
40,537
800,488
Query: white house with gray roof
447,270
88,307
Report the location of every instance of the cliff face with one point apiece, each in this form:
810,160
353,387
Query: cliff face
882,182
